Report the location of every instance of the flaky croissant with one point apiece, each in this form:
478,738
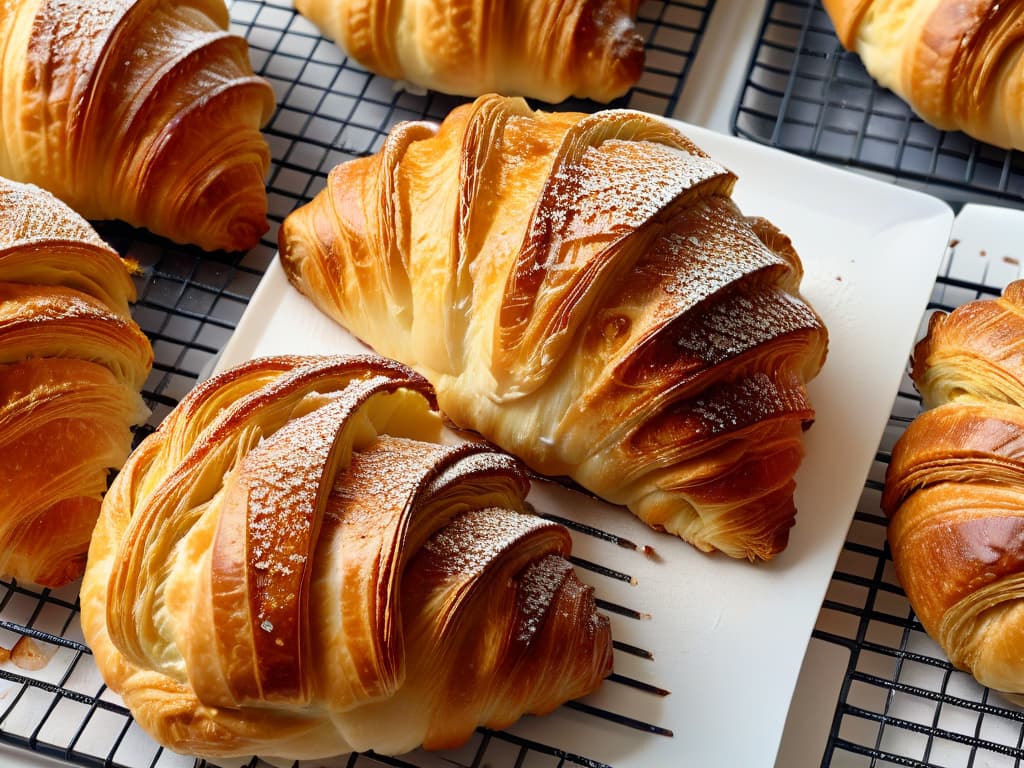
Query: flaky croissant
146,111
72,362
541,49
956,63
954,489
293,566
583,292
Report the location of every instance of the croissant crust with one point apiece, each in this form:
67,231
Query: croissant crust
583,292
292,565
955,489
146,111
957,63
72,363
542,50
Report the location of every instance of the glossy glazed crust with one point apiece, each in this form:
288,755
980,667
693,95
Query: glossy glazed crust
956,62
293,566
541,50
72,363
145,111
954,489
583,292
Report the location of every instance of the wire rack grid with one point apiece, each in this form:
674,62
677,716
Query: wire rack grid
189,303
805,94
901,703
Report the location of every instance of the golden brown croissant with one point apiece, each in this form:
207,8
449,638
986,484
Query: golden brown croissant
293,566
535,48
582,291
957,63
955,489
143,111
72,363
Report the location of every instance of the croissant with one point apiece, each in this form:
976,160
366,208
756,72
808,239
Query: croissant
534,48
954,489
957,64
293,566
145,111
583,292
72,363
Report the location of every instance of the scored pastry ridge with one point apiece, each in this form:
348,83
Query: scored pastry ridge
582,291
293,566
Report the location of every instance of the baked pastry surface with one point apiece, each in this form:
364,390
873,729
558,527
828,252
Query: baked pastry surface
533,48
292,565
146,111
957,63
72,364
954,489
583,292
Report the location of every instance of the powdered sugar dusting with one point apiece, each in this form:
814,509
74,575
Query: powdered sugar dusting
31,214
28,305
483,462
748,401
281,503
391,470
286,472
709,246
742,321
538,586
475,539
615,187
80,19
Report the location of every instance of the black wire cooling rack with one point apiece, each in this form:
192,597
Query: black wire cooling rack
189,303
807,95
901,703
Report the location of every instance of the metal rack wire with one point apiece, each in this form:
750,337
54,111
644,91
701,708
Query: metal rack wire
805,94
901,702
189,302
64,711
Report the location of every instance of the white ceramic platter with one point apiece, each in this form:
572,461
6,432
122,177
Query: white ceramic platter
727,638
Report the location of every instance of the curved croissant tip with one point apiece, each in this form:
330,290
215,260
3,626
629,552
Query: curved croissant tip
609,50
242,234
245,233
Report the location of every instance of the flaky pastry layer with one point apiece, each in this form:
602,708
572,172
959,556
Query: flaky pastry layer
72,364
954,489
293,565
582,291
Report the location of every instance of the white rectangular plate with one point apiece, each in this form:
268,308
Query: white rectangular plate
727,638
985,249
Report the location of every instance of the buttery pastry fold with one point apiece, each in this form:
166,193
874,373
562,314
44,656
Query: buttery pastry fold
542,50
957,63
955,489
72,363
292,565
583,292
146,111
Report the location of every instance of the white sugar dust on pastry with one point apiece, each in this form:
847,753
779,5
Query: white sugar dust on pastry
583,292
293,566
